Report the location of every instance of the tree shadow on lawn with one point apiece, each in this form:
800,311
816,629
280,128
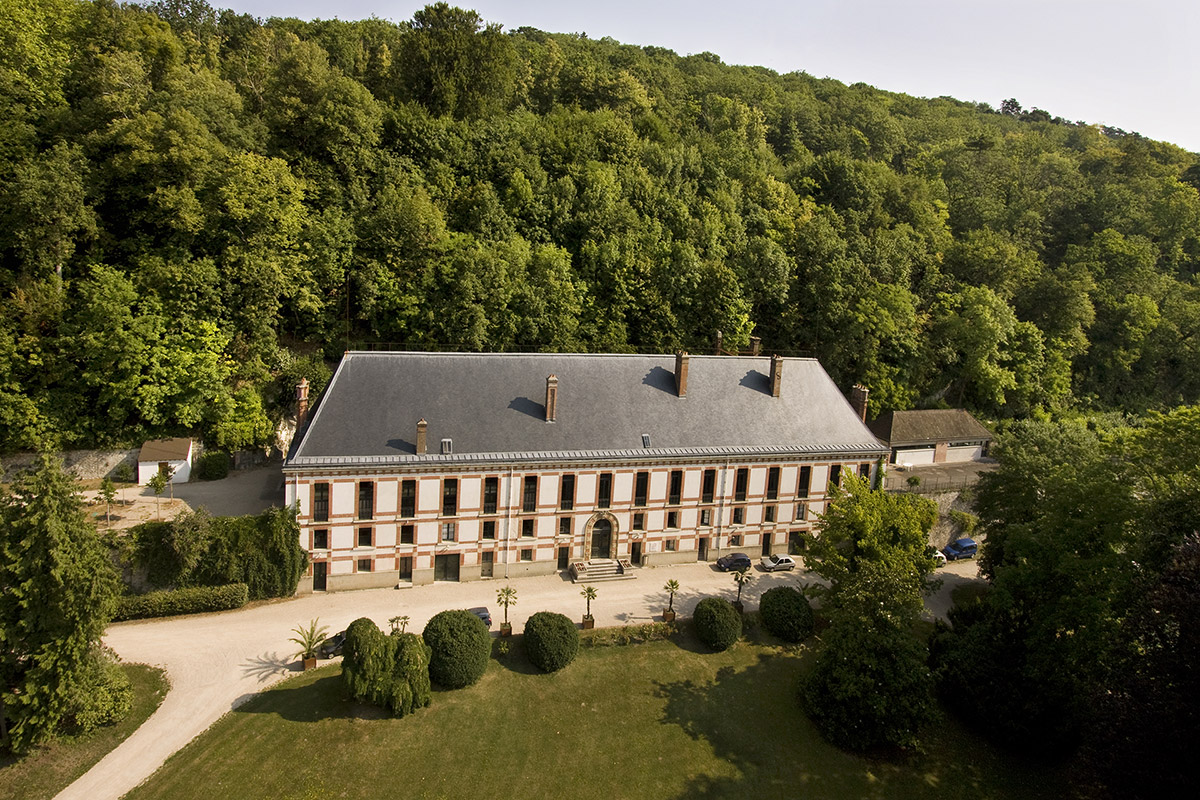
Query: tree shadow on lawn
311,700
752,719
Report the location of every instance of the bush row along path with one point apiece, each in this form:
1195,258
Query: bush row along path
215,662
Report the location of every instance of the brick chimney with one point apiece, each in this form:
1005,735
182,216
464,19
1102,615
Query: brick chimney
776,374
301,403
755,345
858,399
681,370
551,398
422,427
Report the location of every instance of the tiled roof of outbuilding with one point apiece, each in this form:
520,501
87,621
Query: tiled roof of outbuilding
898,428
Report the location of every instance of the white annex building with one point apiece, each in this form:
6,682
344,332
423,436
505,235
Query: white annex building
418,467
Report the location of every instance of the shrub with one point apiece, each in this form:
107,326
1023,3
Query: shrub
551,641
460,645
212,466
389,671
785,612
193,600
101,695
717,623
410,688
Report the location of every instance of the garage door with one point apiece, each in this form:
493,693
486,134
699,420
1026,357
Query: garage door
445,568
921,455
967,453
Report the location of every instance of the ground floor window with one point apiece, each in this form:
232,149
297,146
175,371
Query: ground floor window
365,565
735,540
527,554
670,545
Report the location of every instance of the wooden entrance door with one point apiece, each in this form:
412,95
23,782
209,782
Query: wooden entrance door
702,549
319,568
564,557
766,544
486,564
602,539
635,554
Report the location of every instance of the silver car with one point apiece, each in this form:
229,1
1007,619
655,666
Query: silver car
777,562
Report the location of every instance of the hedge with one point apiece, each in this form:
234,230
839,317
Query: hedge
194,600
785,612
459,645
212,466
718,624
551,641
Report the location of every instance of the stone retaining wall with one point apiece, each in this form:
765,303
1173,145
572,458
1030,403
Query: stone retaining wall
87,465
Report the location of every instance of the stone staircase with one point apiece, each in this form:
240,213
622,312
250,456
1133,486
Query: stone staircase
601,569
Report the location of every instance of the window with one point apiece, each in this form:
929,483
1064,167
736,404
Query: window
769,514
567,496
366,500
641,489
321,539
491,489
529,497
639,522
527,554
706,517
743,480
408,498
527,528
670,545
710,486
365,564
773,483
801,511
835,475
676,487
672,519
739,516
604,493
803,485
564,526
447,531
321,502
366,537
864,470
408,534
489,529
735,540
449,497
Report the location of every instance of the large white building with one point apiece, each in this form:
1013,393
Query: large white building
427,466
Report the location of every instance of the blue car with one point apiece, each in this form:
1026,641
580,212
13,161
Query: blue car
962,548
734,561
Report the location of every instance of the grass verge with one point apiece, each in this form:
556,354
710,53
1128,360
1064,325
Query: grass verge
48,770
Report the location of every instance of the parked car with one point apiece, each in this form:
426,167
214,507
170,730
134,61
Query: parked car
332,647
777,562
735,562
483,614
939,558
962,548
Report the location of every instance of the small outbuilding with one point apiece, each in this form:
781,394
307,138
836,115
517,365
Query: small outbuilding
932,436
163,454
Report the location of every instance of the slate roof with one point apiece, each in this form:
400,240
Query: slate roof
899,428
165,449
492,407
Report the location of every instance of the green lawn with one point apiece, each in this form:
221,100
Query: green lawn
660,720
48,770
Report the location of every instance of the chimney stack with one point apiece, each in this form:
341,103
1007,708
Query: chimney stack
858,399
719,344
681,370
301,403
422,427
755,345
776,374
551,398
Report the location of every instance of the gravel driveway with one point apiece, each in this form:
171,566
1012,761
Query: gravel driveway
217,661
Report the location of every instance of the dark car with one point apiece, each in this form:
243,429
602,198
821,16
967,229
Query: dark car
734,561
332,647
962,548
483,614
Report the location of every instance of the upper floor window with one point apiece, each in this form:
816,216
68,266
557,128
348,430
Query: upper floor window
604,491
408,498
805,482
489,529
676,493
450,497
491,490
743,482
366,500
366,537
641,489
864,470
321,539
448,532
835,475
321,502
710,486
773,483
566,499
529,497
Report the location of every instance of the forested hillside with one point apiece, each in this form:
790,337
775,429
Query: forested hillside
199,207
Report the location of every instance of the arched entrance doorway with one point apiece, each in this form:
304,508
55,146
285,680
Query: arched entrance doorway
602,535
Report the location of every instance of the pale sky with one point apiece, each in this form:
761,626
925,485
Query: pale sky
1130,64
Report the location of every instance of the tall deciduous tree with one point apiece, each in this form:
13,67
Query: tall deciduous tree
58,590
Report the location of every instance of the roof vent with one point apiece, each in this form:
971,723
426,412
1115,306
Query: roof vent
447,446
645,440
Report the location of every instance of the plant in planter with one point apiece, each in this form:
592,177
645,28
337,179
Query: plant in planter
506,597
742,577
672,588
398,623
310,640
589,594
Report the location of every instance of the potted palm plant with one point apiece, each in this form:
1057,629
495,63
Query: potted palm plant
741,578
506,597
310,640
671,589
589,594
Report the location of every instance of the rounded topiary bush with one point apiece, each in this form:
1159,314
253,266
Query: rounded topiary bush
212,466
717,623
551,641
785,612
459,645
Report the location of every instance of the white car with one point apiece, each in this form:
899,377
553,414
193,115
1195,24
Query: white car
775,562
